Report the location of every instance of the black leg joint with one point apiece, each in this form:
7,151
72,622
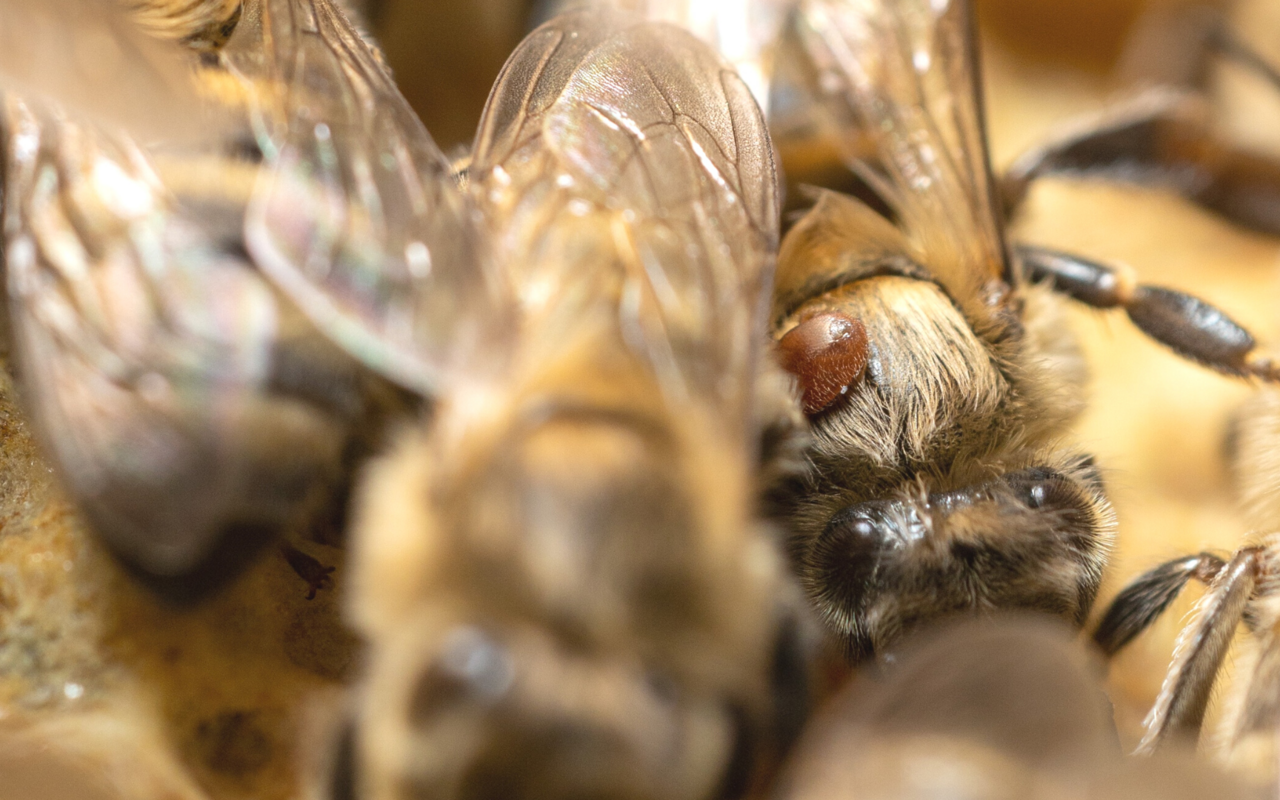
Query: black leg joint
1087,281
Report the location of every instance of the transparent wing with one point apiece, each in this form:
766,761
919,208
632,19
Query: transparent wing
628,174
143,348
358,216
743,31
899,80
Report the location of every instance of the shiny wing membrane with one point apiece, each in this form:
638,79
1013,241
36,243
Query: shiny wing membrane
141,343
358,216
151,352
898,83
743,31
628,176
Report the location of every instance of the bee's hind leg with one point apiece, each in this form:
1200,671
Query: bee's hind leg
1160,137
1188,325
1163,135
1199,652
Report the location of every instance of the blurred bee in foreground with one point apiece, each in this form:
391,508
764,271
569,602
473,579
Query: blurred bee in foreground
931,359
1240,588
1003,708
562,587
560,580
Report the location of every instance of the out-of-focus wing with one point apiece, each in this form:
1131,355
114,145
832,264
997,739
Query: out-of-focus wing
143,346
743,31
627,175
357,216
899,80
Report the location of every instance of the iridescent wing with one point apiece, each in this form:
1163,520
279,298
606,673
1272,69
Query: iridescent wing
628,176
188,412
743,31
358,216
143,346
898,84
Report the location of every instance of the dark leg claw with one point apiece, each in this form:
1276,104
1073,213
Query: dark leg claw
317,575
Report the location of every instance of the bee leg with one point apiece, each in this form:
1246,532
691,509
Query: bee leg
1223,41
1189,326
341,783
1143,601
1172,46
1260,711
317,575
1199,652
1163,137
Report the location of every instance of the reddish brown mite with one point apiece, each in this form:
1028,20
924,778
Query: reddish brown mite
828,354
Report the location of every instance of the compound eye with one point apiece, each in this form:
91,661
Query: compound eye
828,355
1042,488
849,557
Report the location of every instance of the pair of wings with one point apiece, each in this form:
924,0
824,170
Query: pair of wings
630,178
360,221
895,85
148,343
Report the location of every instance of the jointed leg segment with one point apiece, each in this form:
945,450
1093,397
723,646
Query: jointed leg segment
1188,325
1201,647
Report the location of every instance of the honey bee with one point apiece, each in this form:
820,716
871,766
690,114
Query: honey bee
1240,588
562,586
1002,708
930,356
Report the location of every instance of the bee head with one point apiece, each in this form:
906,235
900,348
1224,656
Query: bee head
480,711
1033,538
563,617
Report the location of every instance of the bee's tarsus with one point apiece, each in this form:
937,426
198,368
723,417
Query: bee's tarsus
1192,328
1198,654
1143,601
1160,137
